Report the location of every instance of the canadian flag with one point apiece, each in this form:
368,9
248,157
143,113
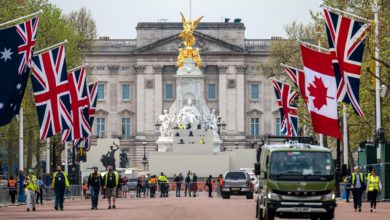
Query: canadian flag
321,91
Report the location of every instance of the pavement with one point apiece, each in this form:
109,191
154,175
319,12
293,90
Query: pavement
172,208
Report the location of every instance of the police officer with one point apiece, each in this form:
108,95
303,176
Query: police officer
111,181
358,186
59,183
374,186
95,182
30,184
347,185
162,179
12,189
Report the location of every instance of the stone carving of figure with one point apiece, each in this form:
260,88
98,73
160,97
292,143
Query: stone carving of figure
124,161
189,114
213,122
166,124
109,157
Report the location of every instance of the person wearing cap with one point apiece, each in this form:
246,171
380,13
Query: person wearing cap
30,187
59,183
95,182
111,181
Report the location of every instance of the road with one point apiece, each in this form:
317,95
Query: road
172,208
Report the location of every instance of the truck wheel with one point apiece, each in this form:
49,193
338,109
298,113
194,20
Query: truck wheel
326,217
249,196
269,215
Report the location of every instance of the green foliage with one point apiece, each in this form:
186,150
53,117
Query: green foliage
287,51
54,27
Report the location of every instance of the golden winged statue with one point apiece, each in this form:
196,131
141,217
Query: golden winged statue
187,35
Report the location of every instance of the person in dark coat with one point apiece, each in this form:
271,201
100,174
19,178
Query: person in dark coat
12,189
209,185
95,183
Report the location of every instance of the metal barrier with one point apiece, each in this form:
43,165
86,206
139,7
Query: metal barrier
48,194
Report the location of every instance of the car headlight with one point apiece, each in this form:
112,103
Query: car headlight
330,196
273,196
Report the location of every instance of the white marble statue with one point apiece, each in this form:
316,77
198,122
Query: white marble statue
213,122
189,114
166,124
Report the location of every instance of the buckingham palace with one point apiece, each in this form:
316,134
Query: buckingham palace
136,82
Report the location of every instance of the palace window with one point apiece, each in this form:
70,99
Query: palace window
254,91
100,68
255,127
126,92
100,126
126,127
100,91
211,92
168,94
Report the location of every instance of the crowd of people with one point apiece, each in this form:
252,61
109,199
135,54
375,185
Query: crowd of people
112,185
357,183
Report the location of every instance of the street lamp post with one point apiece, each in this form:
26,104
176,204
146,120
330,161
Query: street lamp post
144,159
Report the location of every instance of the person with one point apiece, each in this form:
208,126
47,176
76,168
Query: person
41,186
194,185
124,186
209,184
179,180
95,183
30,184
374,186
162,179
12,189
146,186
139,187
347,185
85,189
111,180
59,183
357,187
153,184
220,184
187,188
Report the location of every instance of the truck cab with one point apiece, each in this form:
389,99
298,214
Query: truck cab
297,180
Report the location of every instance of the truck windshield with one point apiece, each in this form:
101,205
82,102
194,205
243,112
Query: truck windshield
301,165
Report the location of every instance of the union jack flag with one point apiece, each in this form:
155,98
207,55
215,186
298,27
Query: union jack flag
83,143
28,32
286,98
79,106
298,77
51,92
346,38
92,94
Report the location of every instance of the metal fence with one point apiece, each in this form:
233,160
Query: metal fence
71,193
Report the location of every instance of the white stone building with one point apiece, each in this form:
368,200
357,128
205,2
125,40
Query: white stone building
136,82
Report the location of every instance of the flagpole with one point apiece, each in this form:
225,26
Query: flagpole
344,12
21,198
48,162
284,65
318,47
49,48
345,135
21,18
66,156
79,67
377,72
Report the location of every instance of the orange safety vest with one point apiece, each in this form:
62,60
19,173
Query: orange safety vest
153,181
11,183
220,180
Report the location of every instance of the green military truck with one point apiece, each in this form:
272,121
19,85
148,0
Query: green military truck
297,180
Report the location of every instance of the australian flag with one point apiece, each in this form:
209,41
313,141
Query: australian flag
16,48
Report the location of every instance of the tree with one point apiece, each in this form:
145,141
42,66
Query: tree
85,26
54,27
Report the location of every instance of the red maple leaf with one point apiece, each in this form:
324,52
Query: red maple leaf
319,92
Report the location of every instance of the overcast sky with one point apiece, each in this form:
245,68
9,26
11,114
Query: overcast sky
263,18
